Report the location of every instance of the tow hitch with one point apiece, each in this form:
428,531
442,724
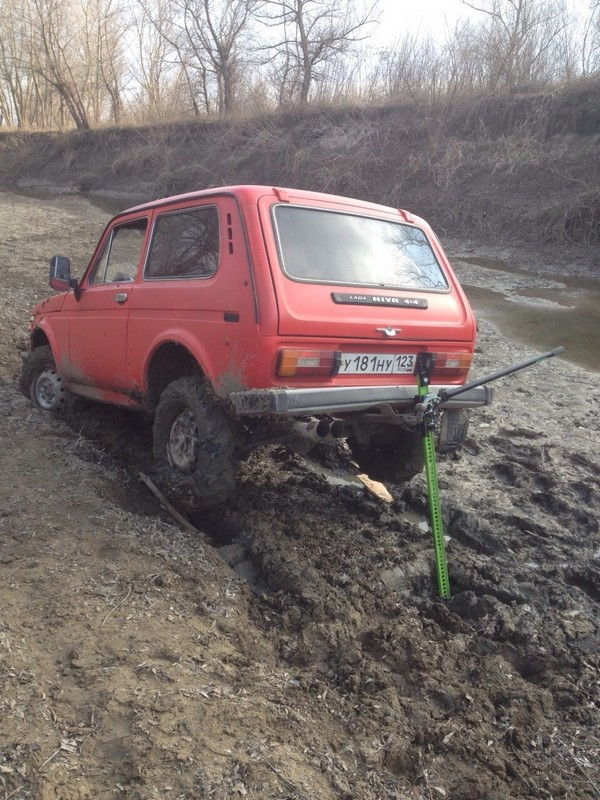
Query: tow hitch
427,407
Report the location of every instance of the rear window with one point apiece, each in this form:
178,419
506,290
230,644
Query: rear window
322,246
185,244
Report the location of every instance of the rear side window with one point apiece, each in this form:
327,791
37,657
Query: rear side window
185,244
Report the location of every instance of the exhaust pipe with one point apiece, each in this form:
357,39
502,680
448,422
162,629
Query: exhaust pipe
338,429
320,430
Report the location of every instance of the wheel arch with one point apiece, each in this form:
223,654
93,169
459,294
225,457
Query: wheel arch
169,360
42,335
39,338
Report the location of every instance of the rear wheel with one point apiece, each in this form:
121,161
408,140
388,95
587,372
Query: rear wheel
391,456
194,445
41,382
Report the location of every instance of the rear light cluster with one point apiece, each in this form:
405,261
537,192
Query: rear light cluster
293,363
297,363
452,364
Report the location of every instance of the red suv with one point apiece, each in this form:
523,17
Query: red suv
250,314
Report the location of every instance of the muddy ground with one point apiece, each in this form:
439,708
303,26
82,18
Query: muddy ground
298,653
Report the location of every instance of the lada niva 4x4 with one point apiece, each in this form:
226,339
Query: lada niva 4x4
245,315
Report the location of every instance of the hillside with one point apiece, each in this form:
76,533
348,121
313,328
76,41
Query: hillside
513,169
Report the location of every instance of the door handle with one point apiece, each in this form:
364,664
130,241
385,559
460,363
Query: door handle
121,297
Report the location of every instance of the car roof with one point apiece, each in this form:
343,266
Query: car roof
251,193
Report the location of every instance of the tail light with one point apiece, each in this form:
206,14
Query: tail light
452,365
298,363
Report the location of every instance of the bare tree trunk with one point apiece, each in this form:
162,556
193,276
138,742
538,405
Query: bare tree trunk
314,33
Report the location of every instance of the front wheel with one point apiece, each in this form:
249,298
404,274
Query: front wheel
194,445
41,382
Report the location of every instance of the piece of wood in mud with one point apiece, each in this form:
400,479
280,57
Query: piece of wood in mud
185,523
375,488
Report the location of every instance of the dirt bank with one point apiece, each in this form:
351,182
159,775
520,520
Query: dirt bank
512,169
300,654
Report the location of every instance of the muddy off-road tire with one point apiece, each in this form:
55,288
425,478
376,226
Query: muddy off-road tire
194,445
41,382
391,457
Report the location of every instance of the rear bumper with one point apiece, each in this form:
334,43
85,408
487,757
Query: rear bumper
342,399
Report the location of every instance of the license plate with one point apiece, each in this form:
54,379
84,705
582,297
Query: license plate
376,364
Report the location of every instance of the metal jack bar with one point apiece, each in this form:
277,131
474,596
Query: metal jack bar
446,394
425,362
427,404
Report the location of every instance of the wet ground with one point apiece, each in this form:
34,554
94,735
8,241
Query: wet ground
542,310
298,651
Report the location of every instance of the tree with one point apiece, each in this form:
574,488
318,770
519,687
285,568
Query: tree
13,76
102,30
590,49
210,39
58,55
60,59
151,67
314,33
518,40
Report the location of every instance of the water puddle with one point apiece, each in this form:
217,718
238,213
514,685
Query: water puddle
551,311
335,478
545,322
114,202
110,202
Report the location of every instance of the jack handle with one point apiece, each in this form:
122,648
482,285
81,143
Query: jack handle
446,394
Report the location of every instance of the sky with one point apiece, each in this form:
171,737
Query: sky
431,16
422,16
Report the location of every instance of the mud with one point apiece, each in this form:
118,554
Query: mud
299,652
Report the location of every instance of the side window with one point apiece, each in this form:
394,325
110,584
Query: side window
185,244
121,255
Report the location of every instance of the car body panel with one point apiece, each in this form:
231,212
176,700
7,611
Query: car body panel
308,308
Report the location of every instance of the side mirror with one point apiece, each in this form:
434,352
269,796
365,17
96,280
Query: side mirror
60,275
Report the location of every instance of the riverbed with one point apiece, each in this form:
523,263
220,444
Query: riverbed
134,662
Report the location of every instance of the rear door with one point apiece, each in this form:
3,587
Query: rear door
351,276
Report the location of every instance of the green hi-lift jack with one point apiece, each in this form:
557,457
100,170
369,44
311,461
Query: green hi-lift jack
428,407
